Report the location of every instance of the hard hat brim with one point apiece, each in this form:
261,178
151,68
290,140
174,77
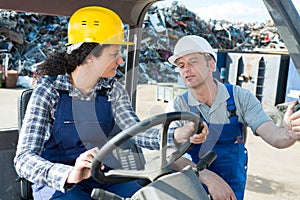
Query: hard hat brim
120,43
172,59
191,44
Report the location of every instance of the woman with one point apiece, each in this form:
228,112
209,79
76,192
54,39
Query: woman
75,107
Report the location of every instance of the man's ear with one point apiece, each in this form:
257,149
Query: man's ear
212,65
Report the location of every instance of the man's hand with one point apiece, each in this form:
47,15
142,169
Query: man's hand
184,134
82,166
292,119
217,187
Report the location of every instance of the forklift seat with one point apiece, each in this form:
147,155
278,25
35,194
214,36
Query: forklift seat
26,191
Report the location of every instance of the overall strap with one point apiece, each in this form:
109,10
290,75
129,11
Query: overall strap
103,91
231,108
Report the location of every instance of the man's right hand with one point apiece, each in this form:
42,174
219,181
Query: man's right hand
184,134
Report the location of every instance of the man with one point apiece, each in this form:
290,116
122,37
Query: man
227,109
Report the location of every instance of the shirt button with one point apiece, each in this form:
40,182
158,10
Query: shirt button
245,151
246,167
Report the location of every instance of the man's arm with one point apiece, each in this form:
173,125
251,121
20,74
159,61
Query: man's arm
217,187
282,137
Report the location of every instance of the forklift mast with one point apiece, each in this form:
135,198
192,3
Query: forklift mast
287,21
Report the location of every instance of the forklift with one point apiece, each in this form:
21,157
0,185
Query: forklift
132,13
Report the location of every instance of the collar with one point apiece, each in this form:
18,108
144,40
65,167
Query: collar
222,96
63,83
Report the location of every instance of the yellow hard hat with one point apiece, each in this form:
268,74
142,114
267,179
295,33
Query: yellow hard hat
96,24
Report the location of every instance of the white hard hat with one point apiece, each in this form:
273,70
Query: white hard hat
191,44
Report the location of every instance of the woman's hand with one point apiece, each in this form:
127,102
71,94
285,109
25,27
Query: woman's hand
82,166
184,134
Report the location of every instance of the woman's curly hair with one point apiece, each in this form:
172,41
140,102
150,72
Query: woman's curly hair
61,62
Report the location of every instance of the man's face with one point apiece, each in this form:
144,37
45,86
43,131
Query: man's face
194,69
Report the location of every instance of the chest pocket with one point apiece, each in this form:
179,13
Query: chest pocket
90,123
81,124
219,133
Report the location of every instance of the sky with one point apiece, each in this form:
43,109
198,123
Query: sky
231,10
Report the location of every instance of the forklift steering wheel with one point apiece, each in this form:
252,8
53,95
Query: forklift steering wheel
162,163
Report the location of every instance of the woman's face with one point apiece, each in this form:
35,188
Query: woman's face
106,65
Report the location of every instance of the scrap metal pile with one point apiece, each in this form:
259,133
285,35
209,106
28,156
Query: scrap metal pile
26,39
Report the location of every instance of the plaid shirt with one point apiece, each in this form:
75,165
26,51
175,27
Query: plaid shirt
39,117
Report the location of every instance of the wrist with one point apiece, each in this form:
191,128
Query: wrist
204,177
71,179
68,186
177,138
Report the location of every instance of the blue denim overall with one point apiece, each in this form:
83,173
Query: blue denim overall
228,142
79,126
